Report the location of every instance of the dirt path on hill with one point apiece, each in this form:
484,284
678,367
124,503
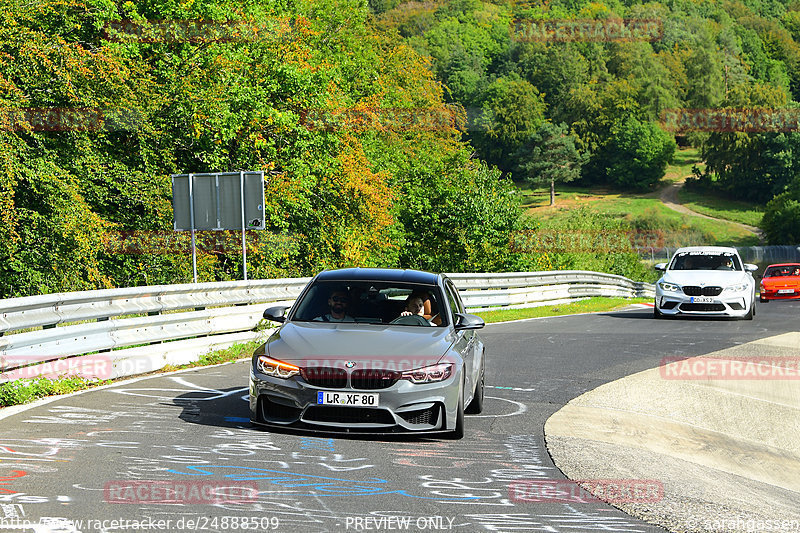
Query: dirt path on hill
669,197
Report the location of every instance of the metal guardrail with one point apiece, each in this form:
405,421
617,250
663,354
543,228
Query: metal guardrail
141,329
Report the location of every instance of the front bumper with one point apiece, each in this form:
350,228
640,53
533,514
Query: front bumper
403,407
676,303
767,294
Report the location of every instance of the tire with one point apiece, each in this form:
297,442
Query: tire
656,313
458,432
475,407
751,312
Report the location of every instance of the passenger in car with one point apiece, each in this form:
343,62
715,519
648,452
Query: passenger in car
338,301
427,310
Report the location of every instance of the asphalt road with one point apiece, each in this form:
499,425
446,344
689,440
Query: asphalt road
87,462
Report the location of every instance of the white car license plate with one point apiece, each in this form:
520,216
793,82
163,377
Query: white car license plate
786,291
702,299
356,399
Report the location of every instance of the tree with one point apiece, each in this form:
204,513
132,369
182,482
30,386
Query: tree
637,155
781,222
512,111
551,157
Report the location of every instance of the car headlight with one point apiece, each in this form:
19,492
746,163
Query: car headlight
737,288
669,287
429,374
279,369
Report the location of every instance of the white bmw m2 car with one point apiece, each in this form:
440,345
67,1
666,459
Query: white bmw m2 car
706,281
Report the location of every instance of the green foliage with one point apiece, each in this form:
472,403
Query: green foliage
751,166
638,154
511,114
781,222
459,221
307,93
27,390
614,253
589,305
550,157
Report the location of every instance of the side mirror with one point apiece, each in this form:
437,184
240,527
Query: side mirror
467,321
276,314
750,267
661,266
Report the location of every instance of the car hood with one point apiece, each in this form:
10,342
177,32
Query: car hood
781,281
366,345
706,278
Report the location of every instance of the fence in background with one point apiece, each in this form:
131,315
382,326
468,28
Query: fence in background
762,255
136,330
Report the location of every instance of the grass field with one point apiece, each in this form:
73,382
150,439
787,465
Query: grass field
590,305
682,163
737,211
646,209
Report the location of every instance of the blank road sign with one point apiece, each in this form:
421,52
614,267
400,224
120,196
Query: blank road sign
217,199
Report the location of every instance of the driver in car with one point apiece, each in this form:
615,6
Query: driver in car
338,302
414,313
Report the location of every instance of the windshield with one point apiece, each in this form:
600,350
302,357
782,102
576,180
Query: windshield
706,261
371,302
782,270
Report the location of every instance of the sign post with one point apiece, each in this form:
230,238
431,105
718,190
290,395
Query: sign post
218,201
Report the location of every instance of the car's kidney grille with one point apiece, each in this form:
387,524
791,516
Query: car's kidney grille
692,290
332,378
373,378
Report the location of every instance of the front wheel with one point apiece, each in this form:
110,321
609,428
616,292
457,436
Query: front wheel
458,432
657,313
475,407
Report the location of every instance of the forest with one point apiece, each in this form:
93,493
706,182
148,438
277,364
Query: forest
389,132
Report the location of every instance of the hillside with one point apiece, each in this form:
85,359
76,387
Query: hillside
389,131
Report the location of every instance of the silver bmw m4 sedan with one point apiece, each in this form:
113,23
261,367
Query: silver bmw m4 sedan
371,351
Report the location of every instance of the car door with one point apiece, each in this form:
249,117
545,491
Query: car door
465,339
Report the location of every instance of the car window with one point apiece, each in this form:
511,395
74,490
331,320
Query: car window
700,260
786,270
368,302
453,299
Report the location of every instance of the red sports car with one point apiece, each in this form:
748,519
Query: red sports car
780,282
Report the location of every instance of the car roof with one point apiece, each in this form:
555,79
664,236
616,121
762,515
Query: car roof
784,265
379,274
718,249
